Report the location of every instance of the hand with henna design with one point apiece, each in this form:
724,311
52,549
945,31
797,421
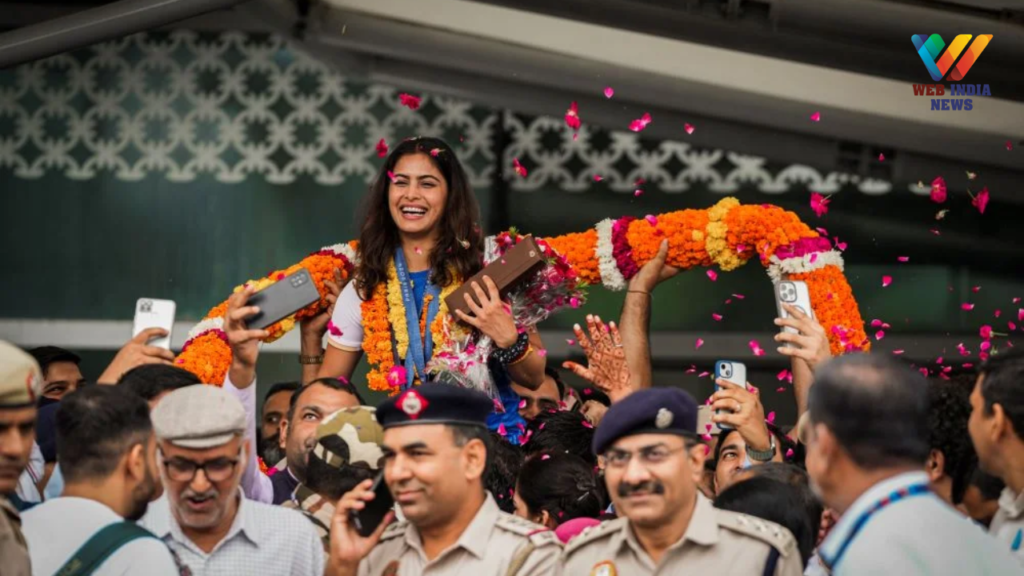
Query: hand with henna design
606,359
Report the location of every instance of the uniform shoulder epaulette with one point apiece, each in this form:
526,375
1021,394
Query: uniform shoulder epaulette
594,533
394,530
523,527
768,532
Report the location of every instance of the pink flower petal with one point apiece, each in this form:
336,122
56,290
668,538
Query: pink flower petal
886,280
756,348
998,313
542,353
587,424
881,157
770,418
570,341
409,101
698,344
502,430
518,167
936,232
712,275
813,258
819,204
435,151
1010,324
897,352
382,148
598,177
717,317
981,200
652,220
738,296
574,302
637,193
879,335
938,191
903,258
1009,145
1020,314
1016,300
976,289
789,453
522,404
703,374
391,176
986,331
816,117
572,117
785,374
609,92
780,389
967,306
876,323
822,231
397,376
985,346
688,127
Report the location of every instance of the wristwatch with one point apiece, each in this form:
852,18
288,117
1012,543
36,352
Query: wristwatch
763,455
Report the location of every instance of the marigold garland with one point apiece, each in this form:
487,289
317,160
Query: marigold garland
728,234
396,312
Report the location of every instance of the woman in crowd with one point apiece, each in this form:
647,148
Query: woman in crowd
554,489
419,241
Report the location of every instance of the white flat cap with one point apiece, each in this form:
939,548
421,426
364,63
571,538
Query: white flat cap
199,416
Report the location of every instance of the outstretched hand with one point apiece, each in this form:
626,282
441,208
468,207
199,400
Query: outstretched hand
654,271
136,353
810,345
606,359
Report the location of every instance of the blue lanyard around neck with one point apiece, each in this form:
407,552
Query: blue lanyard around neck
420,349
862,520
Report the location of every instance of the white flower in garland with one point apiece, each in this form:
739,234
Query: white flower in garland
778,269
343,250
611,277
205,326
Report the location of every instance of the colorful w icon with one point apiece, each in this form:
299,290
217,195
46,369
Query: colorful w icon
928,47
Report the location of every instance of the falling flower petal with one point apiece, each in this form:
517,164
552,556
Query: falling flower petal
971,175
780,389
542,353
382,148
698,344
1011,325
840,245
518,167
876,323
397,376
1009,145
598,177
770,418
502,430
391,175
712,275
717,317
986,331
587,424
976,289
574,302
435,151
897,352
938,192
879,335
756,348
886,280
816,117
903,258
936,232
1016,300
784,375
703,374
689,128
998,313
881,157
572,117
967,306
1020,314
637,193
985,346
640,123
333,329
789,453
819,204
522,404
822,231
609,92
409,101
652,220
570,341
738,296
981,200
813,258
418,250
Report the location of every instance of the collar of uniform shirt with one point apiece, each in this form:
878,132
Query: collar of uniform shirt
703,528
160,521
1012,503
474,538
841,531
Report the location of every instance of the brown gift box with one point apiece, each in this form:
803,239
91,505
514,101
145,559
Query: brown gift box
516,265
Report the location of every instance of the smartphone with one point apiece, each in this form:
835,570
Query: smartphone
794,293
282,299
368,519
154,313
730,371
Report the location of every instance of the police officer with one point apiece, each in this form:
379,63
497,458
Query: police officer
435,456
666,526
20,383
347,451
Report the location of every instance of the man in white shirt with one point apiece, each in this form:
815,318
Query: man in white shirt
204,518
997,430
866,450
108,455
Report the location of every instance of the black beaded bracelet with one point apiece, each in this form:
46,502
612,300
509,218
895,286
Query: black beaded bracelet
505,356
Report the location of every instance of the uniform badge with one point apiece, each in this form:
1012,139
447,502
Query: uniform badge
663,419
606,568
412,403
391,569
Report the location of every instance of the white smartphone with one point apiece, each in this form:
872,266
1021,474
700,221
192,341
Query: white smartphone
730,371
154,313
794,293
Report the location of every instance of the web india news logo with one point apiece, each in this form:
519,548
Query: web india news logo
939,63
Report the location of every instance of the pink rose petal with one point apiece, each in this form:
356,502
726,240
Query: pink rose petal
570,342
998,313
638,193
967,306
780,389
712,275
897,352
879,335
976,289
770,418
587,424
333,330
382,148
986,331
688,127
886,280
881,157
717,317
903,258
1009,145
542,353
738,296
391,176
981,200
816,117
784,375
789,453
518,167
609,92
819,204
1020,314
652,220
698,344
409,101
435,151
985,346
938,190
756,348
598,177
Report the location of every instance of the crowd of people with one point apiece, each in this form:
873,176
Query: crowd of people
146,470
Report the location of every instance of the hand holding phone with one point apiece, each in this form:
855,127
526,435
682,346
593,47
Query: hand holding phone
155,313
730,371
792,293
372,514
350,541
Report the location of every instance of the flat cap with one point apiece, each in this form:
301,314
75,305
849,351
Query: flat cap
20,377
350,436
435,403
650,411
198,416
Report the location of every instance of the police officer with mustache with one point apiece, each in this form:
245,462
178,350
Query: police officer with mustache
653,463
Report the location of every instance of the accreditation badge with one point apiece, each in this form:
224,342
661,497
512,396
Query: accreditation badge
606,568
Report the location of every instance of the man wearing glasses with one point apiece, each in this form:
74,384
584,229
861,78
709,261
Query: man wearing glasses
204,516
666,526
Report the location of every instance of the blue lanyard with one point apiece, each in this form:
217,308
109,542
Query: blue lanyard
896,496
419,351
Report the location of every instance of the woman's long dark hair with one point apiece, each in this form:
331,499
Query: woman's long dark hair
378,236
562,484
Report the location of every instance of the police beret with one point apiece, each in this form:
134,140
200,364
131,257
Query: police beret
654,410
435,403
20,377
199,416
353,429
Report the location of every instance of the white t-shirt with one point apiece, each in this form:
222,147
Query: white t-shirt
348,317
57,528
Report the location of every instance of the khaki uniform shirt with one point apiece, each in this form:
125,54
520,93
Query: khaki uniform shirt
13,549
494,544
716,542
1008,524
318,509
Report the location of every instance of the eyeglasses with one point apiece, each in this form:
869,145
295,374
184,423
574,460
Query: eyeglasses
649,456
216,470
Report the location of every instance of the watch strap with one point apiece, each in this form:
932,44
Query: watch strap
763,455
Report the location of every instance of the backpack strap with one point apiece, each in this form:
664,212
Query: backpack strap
100,546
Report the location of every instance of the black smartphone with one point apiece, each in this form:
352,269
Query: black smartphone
282,299
368,519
